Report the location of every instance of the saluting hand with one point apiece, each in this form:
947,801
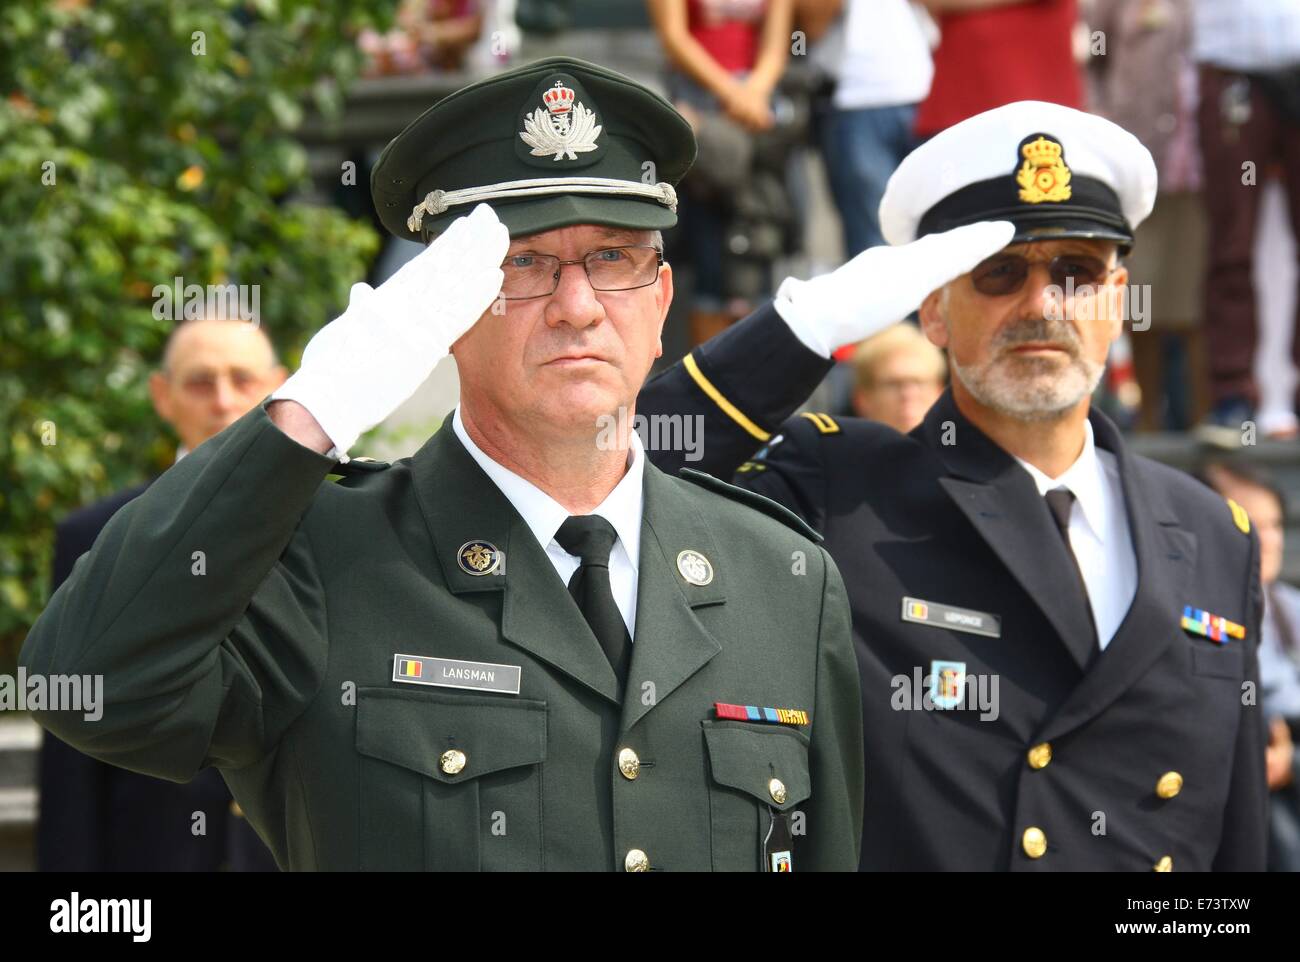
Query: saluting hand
360,367
882,285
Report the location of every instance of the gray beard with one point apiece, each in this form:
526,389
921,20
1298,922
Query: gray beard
1035,397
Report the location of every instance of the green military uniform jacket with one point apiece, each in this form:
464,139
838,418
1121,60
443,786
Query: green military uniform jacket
246,612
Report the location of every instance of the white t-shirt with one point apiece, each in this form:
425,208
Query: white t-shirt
1259,35
884,57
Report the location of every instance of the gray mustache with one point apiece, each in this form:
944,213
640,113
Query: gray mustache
1040,329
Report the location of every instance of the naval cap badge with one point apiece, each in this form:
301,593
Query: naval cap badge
1043,174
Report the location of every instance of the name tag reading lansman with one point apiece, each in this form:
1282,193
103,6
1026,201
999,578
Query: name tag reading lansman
448,673
946,616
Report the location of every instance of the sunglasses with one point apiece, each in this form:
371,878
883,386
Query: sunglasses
1005,274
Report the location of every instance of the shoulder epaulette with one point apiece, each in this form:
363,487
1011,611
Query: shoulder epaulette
824,422
754,500
1239,516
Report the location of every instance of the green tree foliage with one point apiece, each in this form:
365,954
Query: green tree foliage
142,140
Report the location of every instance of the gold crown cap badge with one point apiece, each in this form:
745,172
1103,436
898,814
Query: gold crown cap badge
1043,175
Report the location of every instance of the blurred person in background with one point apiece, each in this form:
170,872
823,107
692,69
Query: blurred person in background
726,58
99,818
212,372
1249,57
1149,49
994,52
899,375
427,35
1279,650
876,63
873,61
446,29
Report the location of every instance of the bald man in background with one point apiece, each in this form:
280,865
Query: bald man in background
213,371
99,818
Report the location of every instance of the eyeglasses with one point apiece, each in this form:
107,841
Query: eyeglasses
609,269
1005,273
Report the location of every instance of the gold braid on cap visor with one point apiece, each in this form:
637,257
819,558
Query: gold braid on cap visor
438,201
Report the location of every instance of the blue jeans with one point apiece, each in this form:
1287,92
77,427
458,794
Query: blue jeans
861,148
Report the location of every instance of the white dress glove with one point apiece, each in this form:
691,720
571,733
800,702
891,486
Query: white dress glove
882,285
359,368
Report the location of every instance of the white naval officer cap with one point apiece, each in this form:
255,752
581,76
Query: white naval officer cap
1052,171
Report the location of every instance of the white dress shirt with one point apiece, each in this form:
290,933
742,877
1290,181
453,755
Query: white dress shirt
544,515
1099,532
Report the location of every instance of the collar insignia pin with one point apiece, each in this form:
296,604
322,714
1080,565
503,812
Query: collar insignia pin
694,567
478,558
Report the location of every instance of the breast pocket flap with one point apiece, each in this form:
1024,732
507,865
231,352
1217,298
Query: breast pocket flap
1217,662
450,738
767,762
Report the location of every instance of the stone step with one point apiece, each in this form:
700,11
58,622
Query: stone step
18,806
20,739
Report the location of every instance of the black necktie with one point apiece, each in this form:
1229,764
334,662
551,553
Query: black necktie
591,538
1061,500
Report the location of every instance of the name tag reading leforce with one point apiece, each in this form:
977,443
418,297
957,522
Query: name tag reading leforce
946,616
449,673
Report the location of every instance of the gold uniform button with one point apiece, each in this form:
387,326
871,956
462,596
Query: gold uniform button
1170,784
235,810
636,861
776,788
1040,755
1034,842
452,761
629,764
1166,864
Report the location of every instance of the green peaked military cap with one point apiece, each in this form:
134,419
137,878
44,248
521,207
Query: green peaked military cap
555,142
